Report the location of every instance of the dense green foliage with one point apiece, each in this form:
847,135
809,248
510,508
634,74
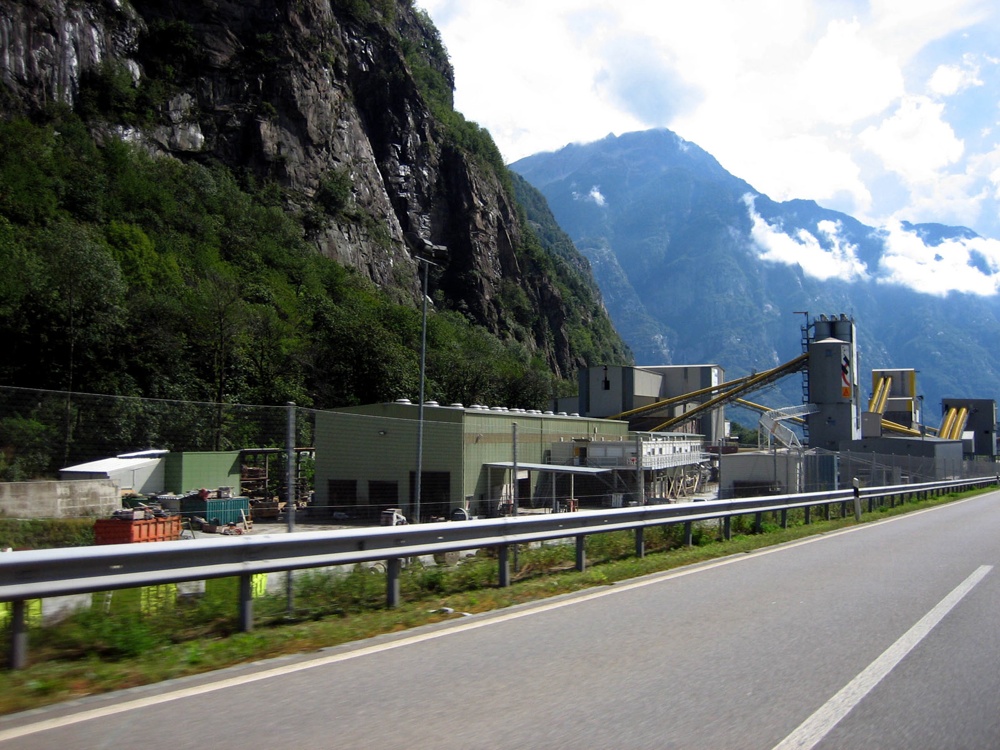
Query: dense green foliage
745,437
46,533
194,282
142,276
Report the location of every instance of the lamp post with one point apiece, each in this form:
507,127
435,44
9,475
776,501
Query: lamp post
420,405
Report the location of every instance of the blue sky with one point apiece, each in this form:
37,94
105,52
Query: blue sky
887,110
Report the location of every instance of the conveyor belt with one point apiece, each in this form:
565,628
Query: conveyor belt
743,386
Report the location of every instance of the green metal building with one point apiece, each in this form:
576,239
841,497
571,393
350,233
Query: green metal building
366,456
191,470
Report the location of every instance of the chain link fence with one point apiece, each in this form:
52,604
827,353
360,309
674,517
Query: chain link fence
388,460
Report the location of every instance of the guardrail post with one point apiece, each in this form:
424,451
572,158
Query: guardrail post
581,553
808,515
392,568
503,564
18,656
843,509
727,528
640,542
784,518
688,535
758,523
246,603
826,511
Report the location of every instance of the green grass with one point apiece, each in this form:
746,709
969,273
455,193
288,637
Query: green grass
130,640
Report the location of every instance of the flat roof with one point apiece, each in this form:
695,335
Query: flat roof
555,468
108,465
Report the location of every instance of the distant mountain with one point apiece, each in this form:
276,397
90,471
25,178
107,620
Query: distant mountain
696,266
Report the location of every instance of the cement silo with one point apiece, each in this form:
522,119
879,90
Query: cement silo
833,383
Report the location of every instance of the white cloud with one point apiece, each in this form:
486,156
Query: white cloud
594,196
812,168
839,259
969,266
964,265
847,77
965,198
907,26
915,141
956,199
948,80
995,182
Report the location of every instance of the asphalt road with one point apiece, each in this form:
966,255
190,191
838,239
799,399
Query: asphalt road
883,636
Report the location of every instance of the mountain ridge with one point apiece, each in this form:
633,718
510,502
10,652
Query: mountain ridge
698,267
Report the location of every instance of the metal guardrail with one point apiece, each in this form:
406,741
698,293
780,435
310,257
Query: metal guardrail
37,574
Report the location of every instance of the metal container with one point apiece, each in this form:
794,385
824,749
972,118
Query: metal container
216,510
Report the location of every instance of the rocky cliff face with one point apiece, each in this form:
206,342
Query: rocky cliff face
320,96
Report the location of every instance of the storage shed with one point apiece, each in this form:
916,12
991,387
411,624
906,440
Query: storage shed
141,473
193,470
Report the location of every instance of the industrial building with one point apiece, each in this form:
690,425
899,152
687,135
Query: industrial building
367,457
610,391
825,442
141,473
632,435
832,384
975,423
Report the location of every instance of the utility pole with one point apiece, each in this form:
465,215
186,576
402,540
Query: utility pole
290,494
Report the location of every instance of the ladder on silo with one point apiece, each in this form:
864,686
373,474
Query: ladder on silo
805,377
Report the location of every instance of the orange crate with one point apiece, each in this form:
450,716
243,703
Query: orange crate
116,531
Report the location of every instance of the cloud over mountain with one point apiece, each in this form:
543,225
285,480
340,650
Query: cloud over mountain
964,263
821,255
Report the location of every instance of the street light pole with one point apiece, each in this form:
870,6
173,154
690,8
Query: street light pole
420,405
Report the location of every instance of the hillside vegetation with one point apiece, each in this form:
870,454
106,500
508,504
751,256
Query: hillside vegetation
223,275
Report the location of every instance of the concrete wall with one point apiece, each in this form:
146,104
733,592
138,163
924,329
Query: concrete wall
59,499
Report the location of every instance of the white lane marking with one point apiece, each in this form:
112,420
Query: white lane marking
816,727
470,624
